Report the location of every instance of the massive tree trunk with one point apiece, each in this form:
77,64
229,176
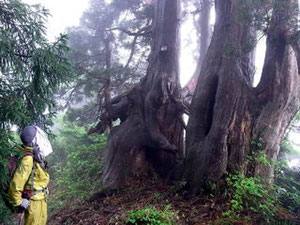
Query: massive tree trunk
150,135
230,120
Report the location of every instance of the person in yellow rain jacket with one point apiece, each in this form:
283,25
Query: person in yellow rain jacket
28,188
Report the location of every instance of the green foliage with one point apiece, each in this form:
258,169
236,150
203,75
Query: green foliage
76,164
31,68
287,148
287,183
248,195
6,143
258,11
31,71
258,153
261,158
258,142
82,116
297,116
152,216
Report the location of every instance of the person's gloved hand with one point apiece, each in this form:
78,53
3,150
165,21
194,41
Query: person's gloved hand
25,203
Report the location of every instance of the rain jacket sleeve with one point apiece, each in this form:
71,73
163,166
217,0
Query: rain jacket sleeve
19,180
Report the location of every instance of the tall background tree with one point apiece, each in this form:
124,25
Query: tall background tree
110,48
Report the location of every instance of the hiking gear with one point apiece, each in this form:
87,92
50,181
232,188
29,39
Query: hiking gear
36,214
41,142
37,156
14,161
25,203
28,135
29,181
35,137
28,188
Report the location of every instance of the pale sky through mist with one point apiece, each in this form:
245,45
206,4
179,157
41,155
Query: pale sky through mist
64,13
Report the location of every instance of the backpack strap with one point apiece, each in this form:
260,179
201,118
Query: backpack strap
32,177
27,153
29,193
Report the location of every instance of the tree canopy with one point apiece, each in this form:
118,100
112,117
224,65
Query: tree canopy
32,69
109,51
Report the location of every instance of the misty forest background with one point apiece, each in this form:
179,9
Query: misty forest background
108,92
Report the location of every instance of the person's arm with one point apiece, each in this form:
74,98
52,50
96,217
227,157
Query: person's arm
19,180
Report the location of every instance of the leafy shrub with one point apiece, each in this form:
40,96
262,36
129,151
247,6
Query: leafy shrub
152,216
76,165
287,183
248,195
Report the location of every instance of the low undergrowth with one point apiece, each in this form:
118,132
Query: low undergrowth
247,197
150,202
152,216
288,189
75,165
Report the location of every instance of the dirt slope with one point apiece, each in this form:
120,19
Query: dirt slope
114,209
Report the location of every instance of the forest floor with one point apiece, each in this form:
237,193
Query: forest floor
139,194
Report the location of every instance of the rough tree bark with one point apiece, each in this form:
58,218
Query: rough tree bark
150,136
230,119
